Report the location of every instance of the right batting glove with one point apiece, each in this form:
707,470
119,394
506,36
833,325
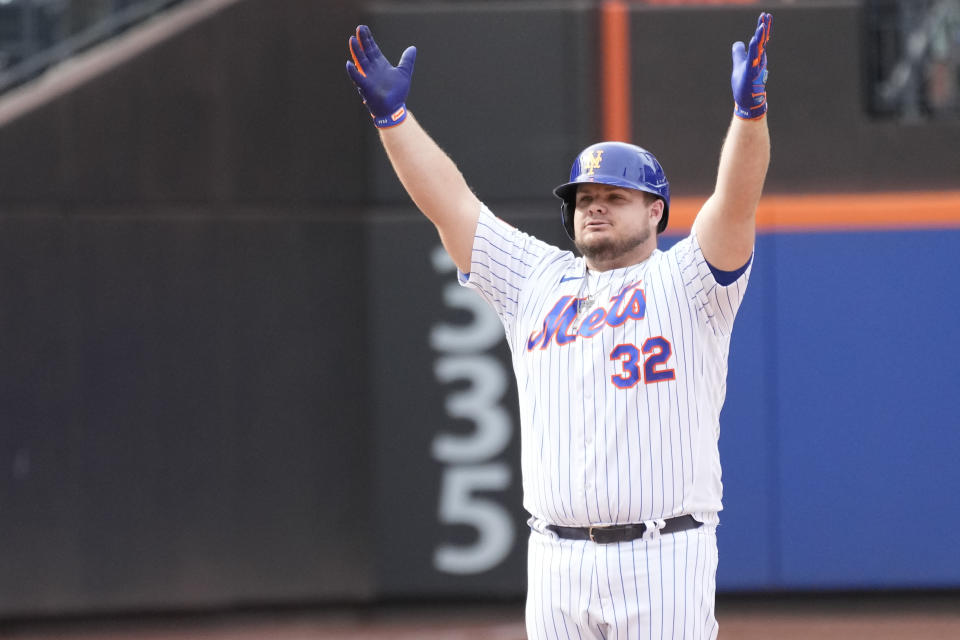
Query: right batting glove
382,86
749,77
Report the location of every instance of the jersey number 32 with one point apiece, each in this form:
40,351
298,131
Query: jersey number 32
656,352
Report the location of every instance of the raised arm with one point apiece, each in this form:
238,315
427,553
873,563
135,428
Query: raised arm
726,225
430,177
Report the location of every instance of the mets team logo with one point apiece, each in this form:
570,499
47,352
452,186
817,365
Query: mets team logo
562,324
592,163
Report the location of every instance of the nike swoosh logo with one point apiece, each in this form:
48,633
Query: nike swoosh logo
565,279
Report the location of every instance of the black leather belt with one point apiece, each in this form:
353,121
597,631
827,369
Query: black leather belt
621,532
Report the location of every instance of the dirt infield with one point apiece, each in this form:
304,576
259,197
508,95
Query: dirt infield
823,617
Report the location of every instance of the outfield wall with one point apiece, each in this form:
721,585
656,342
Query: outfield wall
231,349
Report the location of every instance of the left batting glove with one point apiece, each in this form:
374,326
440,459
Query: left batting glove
749,77
382,86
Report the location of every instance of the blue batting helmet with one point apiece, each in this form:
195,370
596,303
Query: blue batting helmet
618,164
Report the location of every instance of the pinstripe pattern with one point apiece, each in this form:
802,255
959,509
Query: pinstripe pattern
606,443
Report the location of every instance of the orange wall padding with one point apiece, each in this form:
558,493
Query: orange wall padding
840,212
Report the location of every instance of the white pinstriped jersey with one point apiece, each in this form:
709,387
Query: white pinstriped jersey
621,376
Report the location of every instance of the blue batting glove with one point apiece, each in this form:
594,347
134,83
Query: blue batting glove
749,77
382,86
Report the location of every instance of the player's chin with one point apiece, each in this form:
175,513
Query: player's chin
594,243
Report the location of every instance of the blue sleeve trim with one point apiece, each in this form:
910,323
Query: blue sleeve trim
725,278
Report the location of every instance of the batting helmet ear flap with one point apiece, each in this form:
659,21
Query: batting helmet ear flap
567,210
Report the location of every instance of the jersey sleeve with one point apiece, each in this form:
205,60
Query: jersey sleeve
502,259
716,304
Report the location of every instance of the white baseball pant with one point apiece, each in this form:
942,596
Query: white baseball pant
659,588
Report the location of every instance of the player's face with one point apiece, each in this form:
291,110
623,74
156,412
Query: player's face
614,224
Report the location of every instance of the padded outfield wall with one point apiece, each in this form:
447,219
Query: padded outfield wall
232,356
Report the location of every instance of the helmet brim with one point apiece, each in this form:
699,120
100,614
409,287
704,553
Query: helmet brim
568,191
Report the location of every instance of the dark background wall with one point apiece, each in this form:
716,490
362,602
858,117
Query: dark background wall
227,107
224,375
182,316
824,139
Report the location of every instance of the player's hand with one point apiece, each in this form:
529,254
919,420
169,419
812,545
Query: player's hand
749,77
382,86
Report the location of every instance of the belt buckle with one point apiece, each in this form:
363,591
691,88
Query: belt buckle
590,532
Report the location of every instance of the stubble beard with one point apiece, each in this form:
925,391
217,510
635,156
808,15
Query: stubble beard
610,249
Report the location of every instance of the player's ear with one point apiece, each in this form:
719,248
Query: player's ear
656,211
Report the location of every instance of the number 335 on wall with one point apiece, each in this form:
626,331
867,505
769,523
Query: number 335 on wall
475,474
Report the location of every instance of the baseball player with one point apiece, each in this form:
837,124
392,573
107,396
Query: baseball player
620,356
